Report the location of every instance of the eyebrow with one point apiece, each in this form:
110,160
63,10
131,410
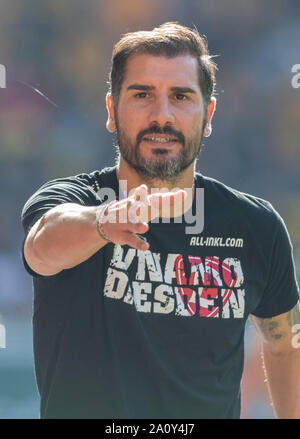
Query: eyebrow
140,87
183,90
151,87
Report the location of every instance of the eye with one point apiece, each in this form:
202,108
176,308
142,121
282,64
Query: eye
141,95
180,97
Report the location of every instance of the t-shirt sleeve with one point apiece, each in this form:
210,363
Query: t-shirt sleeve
51,194
281,291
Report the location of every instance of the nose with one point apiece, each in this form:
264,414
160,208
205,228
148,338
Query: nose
161,112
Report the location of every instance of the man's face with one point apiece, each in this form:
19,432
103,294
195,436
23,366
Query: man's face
160,115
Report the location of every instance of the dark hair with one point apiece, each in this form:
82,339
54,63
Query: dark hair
170,40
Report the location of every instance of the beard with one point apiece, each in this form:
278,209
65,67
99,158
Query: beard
160,167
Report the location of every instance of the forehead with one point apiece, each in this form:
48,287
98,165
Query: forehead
159,71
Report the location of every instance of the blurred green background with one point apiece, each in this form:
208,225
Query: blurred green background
62,49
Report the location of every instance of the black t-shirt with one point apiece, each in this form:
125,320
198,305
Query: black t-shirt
157,333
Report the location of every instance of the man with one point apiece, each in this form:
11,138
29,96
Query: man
133,316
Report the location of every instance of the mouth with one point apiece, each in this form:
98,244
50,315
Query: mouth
161,140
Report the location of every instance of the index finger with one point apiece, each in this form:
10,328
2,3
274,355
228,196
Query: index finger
161,203
173,198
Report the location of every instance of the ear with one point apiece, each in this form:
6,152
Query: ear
110,124
210,113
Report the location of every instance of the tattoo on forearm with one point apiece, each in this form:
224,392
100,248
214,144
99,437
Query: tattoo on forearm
281,327
273,329
270,329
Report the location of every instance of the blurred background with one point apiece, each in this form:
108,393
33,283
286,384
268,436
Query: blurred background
52,124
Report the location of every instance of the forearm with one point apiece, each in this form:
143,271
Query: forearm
67,235
64,237
282,372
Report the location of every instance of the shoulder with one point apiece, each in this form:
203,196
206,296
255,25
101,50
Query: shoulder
240,203
81,185
98,179
91,180
80,189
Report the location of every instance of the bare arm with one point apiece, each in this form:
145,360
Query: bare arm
281,355
67,234
62,238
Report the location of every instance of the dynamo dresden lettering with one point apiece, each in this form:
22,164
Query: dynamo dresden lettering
181,285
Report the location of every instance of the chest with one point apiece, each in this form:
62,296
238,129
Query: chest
214,277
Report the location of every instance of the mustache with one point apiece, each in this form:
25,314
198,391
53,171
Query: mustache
157,130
